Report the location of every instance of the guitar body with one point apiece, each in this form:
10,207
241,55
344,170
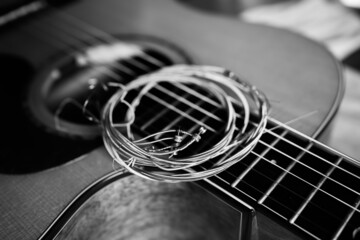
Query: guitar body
298,76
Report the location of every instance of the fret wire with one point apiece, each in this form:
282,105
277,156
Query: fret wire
318,157
345,222
307,151
275,200
239,190
253,164
325,193
249,196
306,231
297,214
281,177
290,190
321,190
272,133
228,153
306,166
294,175
250,185
208,180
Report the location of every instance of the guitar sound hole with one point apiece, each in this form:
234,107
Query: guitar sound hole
44,118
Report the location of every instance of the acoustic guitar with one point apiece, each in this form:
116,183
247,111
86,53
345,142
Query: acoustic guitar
58,181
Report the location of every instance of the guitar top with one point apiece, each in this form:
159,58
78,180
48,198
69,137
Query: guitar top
301,79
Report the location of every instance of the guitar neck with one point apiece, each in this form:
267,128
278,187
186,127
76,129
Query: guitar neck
296,179
299,181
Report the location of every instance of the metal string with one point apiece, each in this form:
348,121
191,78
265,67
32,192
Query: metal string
104,37
108,37
338,167
119,145
314,155
291,158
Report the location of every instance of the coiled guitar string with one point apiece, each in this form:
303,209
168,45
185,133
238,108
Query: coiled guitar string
161,164
231,139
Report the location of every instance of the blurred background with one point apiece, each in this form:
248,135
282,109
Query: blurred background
334,23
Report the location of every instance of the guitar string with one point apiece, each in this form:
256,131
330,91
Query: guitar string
74,36
91,31
294,160
168,105
228,137
290,173
306,151
189,117
337,166
319,157
291,121
311,185
351,209
307,219
275,200
314,186
175,121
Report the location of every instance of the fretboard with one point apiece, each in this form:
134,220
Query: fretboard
292,177
301,182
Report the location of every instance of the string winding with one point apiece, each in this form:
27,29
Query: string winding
71,32
143,158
